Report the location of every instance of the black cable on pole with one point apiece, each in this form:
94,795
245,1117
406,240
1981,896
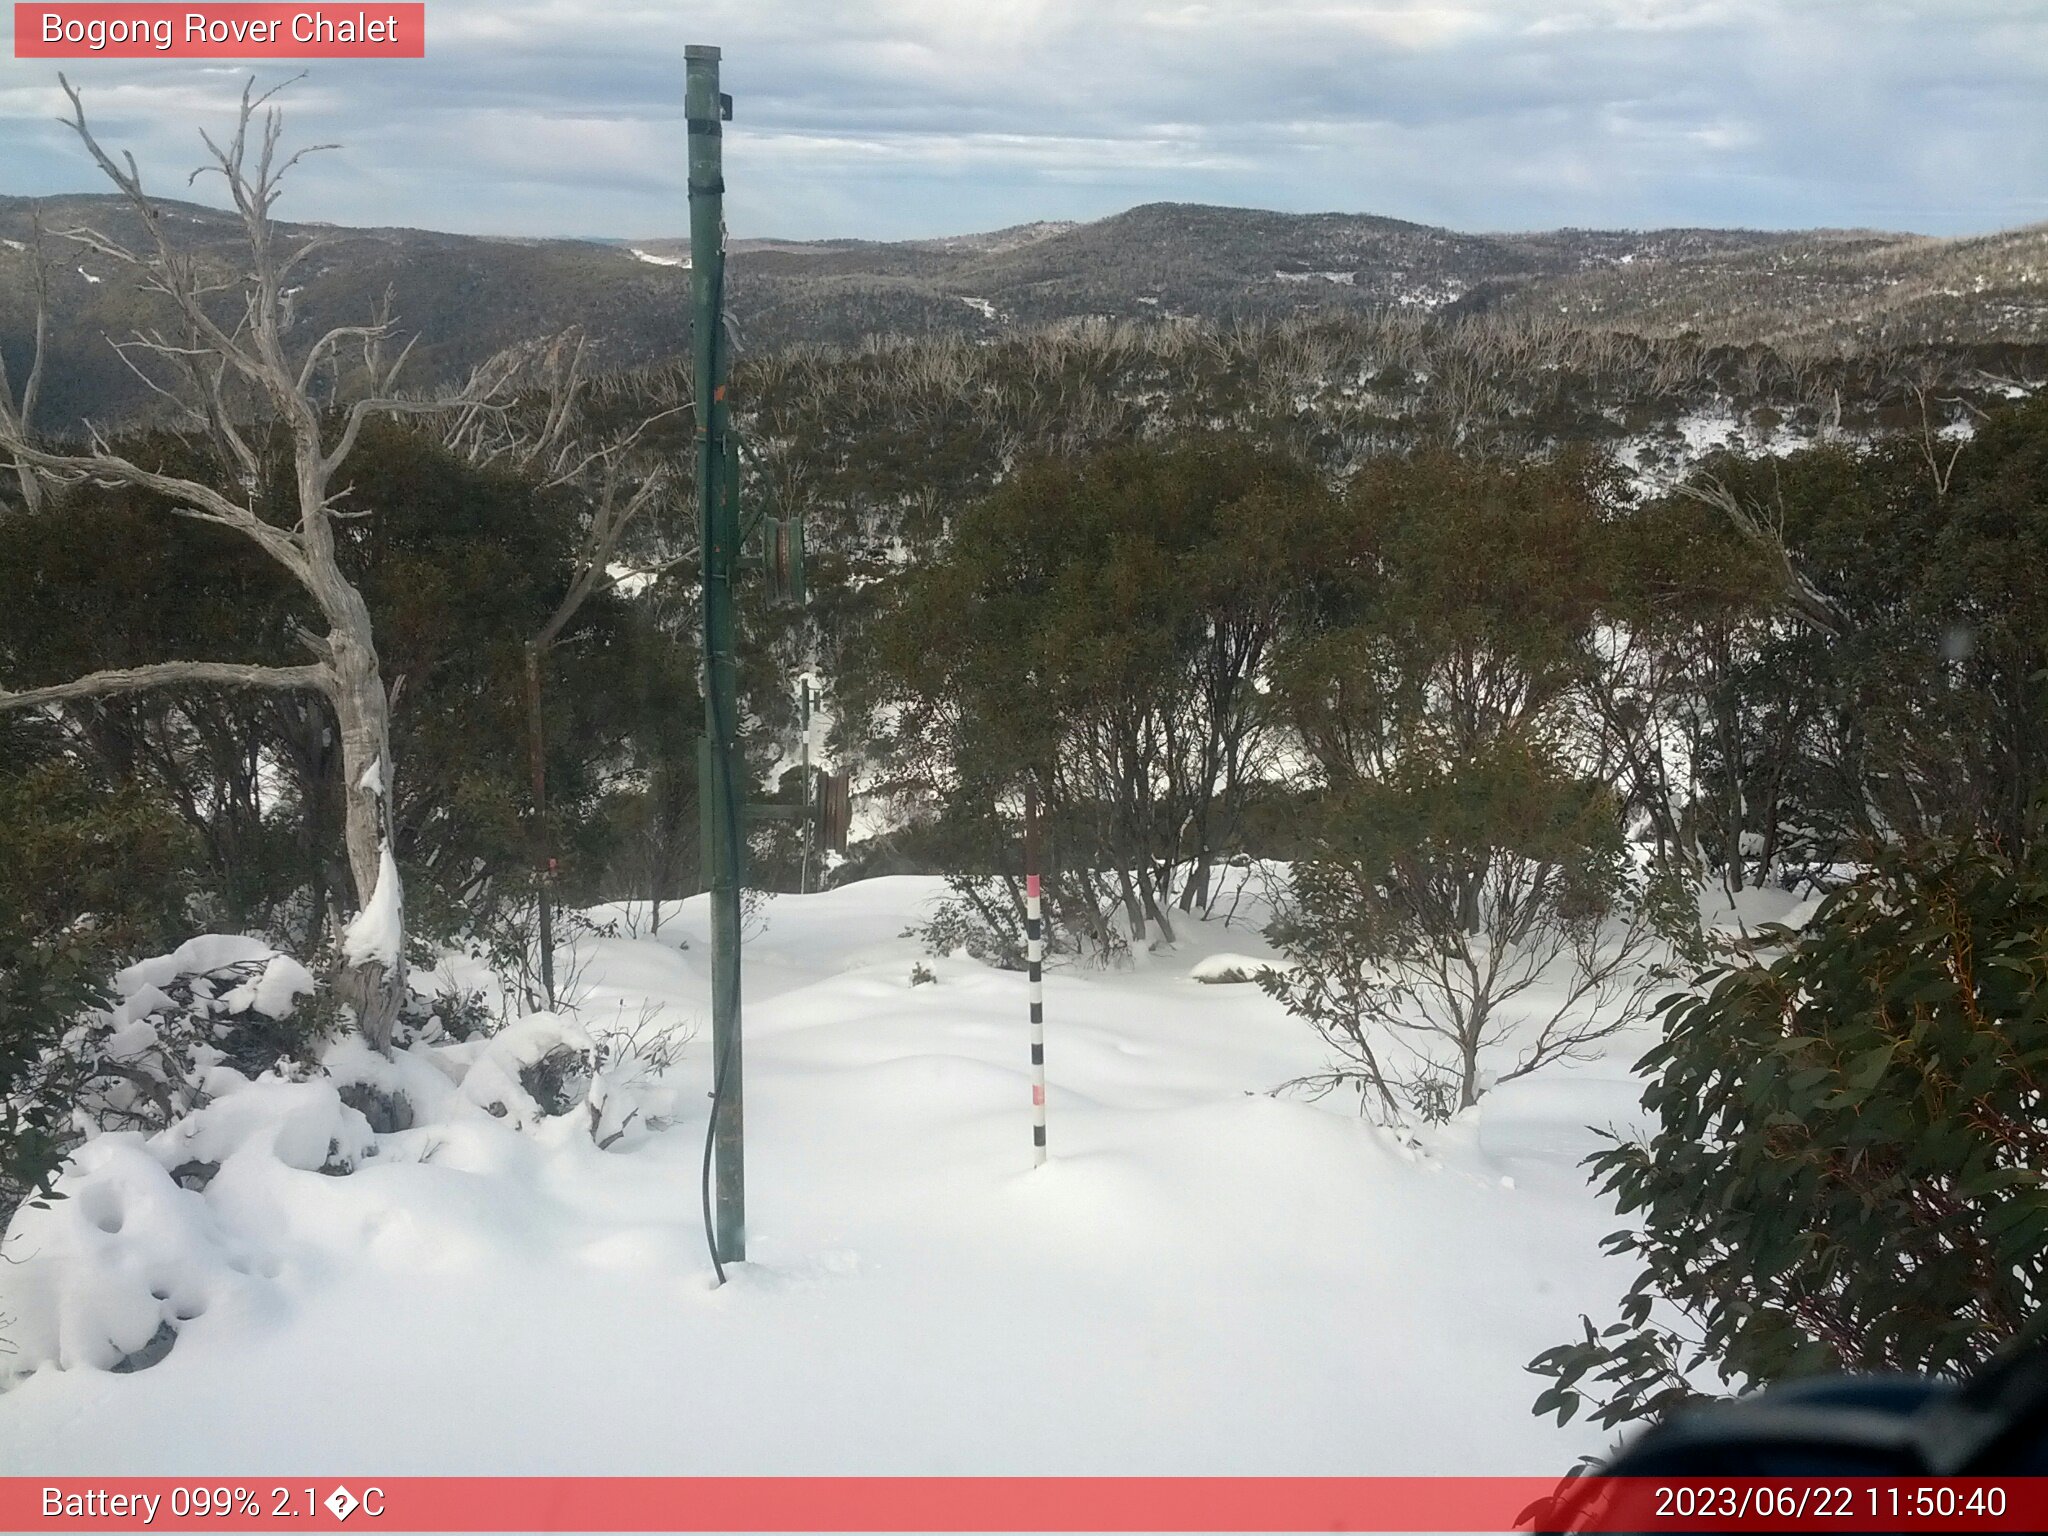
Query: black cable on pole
718,1072
732,833
710,1131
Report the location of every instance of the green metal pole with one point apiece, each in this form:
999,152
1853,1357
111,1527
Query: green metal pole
718,528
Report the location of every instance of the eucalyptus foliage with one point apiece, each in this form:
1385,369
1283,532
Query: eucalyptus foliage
1849,1168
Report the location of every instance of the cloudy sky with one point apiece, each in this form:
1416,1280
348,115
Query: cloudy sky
896,118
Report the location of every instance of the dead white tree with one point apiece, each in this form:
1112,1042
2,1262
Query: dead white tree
1940,445
17,413
229,370
1764,532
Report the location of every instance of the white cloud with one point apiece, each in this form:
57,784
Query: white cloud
895,117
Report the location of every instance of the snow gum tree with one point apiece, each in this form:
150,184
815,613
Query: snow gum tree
1467,908
1098,625
227,364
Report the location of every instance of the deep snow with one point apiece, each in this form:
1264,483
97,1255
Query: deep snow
1203,1279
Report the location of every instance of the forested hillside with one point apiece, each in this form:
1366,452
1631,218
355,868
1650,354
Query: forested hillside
1817,293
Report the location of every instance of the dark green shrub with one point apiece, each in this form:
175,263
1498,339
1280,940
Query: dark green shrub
89,877
42,987
1849,1171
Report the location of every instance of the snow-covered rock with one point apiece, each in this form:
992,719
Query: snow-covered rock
302,1125
1227,967
94,1278
536,1067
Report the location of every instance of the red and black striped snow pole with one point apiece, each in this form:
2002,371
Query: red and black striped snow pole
1034,936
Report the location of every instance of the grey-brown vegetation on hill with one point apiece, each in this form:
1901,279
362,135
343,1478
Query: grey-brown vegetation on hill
1818,292
881,444
1822,289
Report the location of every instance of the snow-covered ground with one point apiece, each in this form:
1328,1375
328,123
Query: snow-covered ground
1205,1278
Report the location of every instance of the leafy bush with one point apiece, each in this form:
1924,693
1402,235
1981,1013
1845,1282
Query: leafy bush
217,1002
41,986
1116,665
1465,906
1461,926
985,929
141,1054
91,874
1849,1173
454,1013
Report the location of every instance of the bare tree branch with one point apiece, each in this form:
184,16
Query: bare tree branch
1805,601
17,418
170,674
194,498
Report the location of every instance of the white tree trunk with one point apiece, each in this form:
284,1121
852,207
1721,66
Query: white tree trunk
372,975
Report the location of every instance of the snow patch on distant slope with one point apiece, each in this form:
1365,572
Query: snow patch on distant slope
1656,460
1430,295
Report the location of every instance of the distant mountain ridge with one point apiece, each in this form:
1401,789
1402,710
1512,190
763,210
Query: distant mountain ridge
467,296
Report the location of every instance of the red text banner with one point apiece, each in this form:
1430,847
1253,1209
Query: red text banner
918,1504
216,31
